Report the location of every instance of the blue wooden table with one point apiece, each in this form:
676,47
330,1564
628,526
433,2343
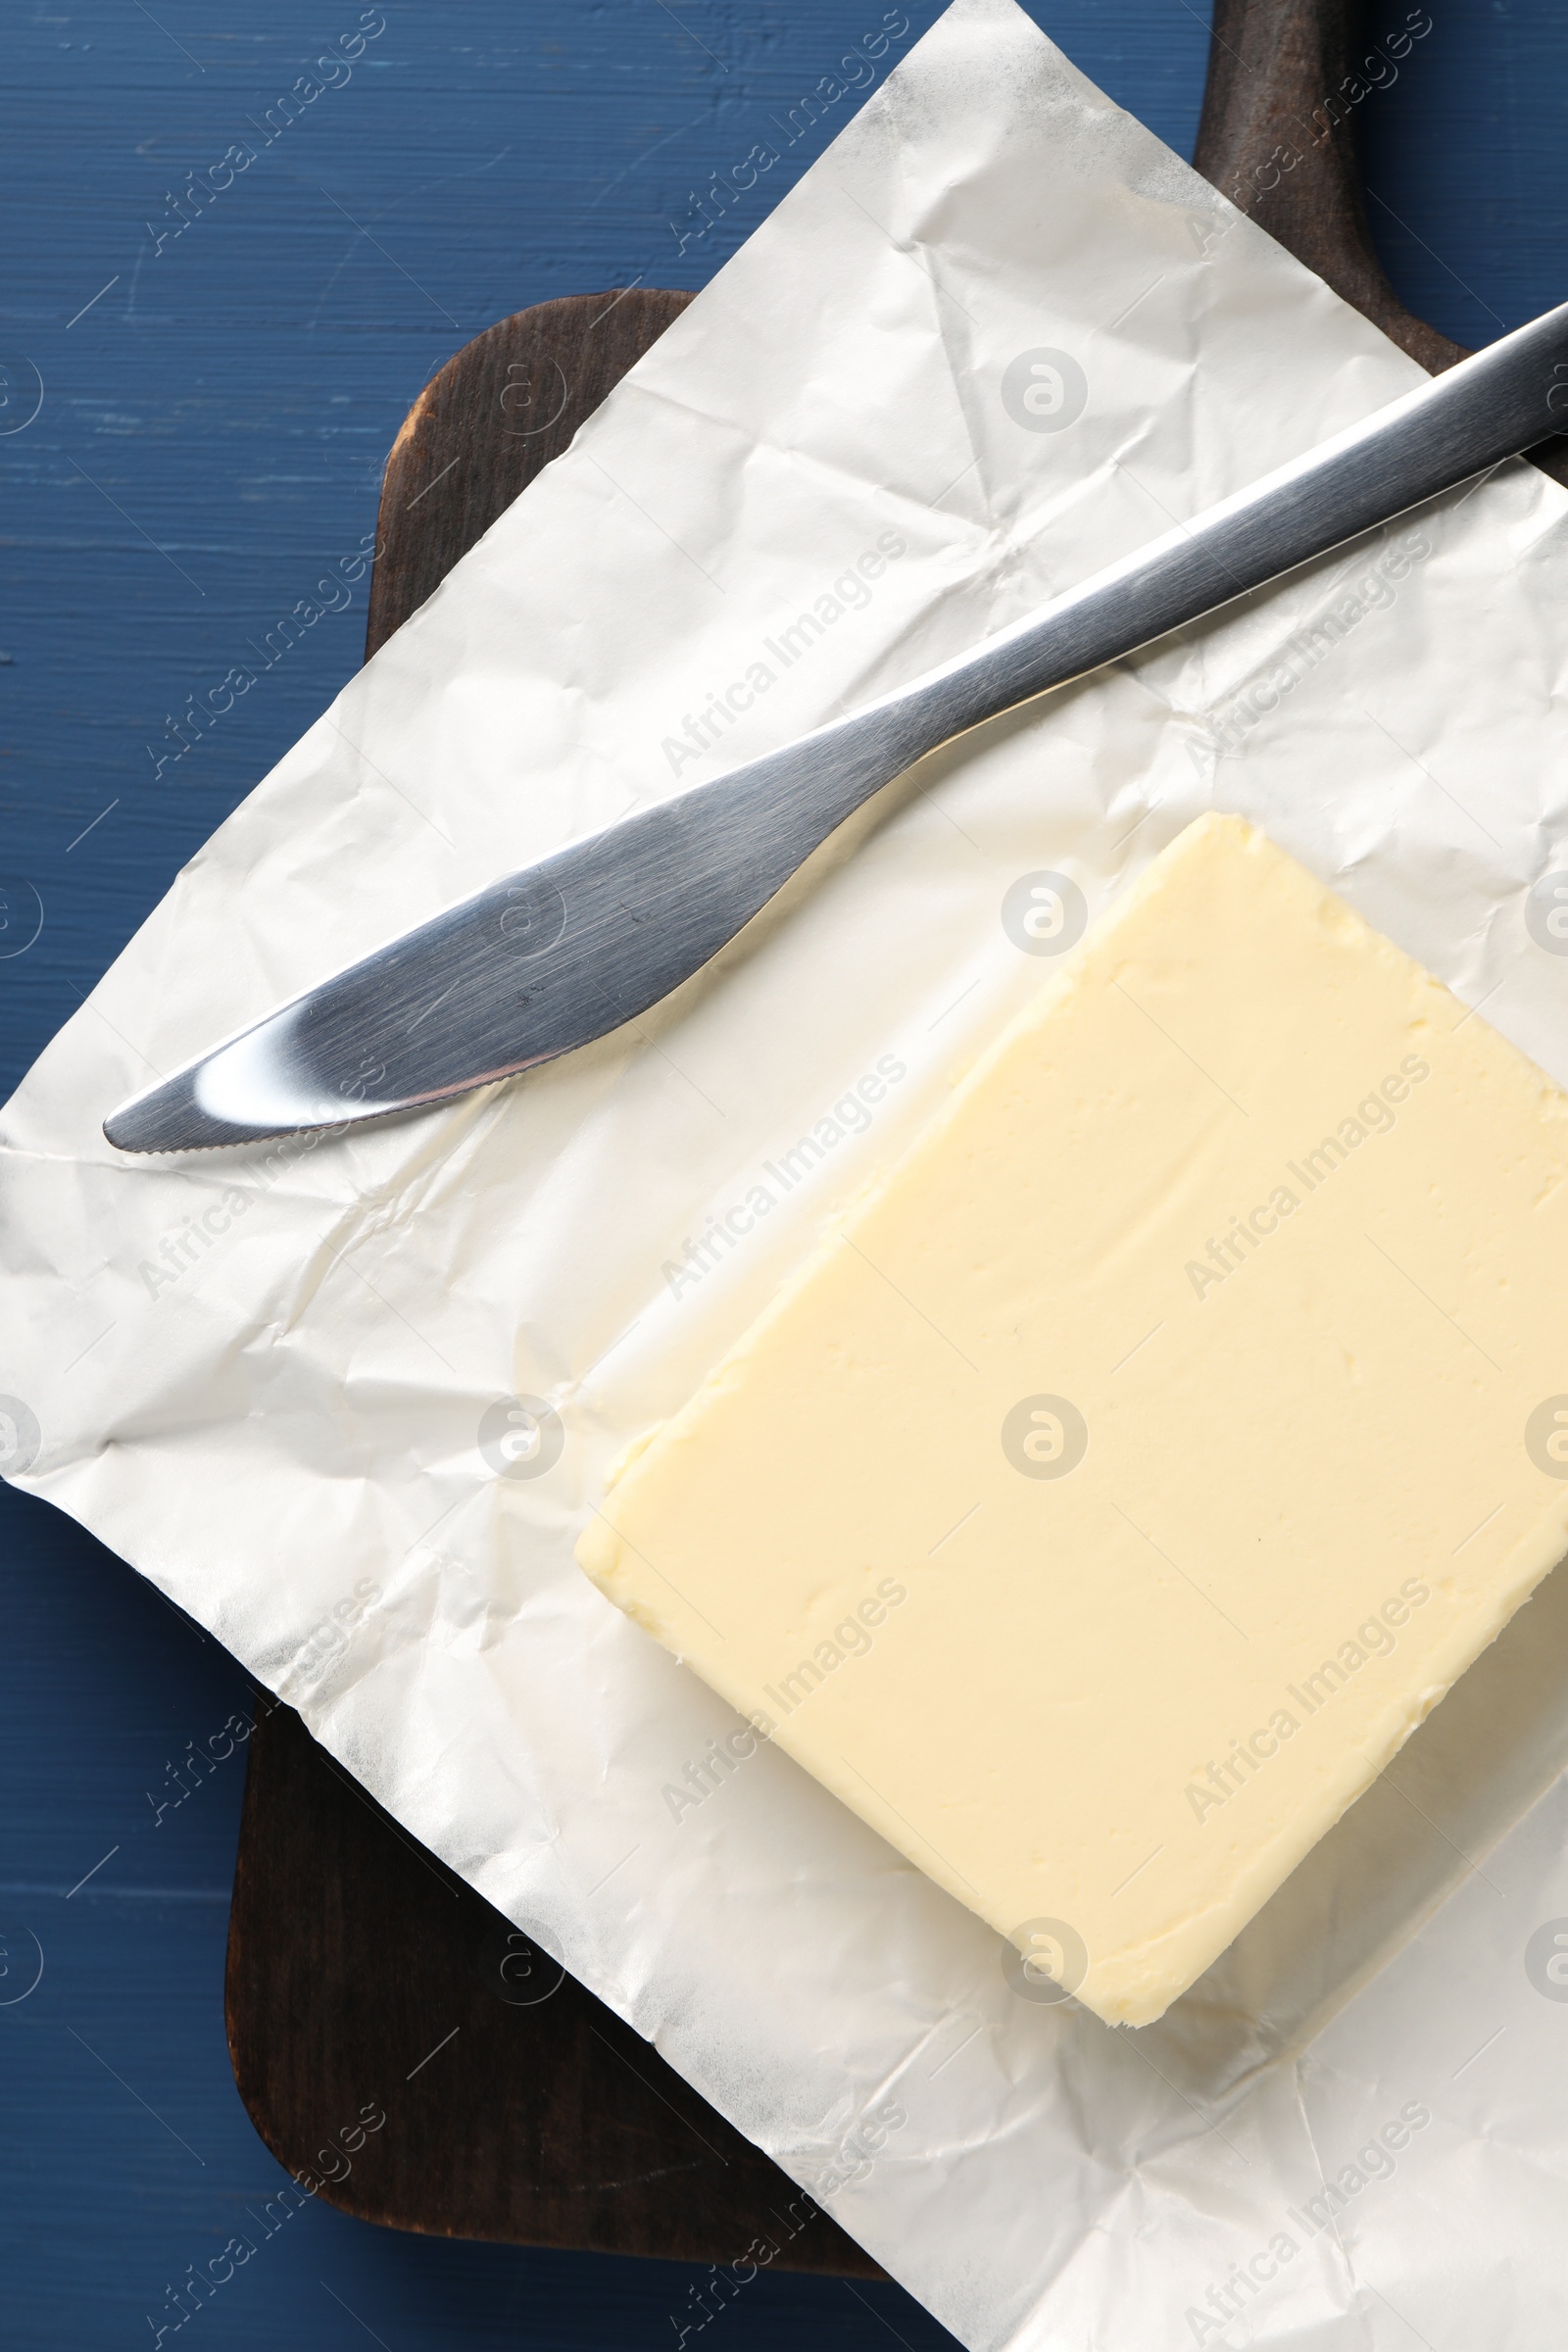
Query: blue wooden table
200,383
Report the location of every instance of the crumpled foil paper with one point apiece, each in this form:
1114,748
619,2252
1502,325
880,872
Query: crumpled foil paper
997,337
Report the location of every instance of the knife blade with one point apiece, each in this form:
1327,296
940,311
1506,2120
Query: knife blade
565,950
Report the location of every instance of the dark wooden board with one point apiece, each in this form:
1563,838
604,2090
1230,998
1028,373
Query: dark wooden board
365,1980
351,1952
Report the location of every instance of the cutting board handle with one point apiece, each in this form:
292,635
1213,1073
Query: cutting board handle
1288,80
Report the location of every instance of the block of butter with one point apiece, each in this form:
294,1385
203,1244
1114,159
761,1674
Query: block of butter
1099,1509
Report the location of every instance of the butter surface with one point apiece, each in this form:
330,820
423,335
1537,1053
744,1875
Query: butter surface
1104,1506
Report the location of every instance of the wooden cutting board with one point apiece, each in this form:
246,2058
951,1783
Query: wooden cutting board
362,1978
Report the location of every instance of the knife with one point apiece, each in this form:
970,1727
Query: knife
565,950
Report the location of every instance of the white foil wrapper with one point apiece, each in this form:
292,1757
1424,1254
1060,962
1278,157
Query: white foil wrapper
275,1379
